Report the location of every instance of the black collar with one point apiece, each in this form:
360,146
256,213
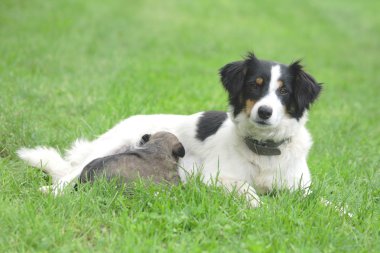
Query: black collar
265,148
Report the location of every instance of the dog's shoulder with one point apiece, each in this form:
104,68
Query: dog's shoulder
208,123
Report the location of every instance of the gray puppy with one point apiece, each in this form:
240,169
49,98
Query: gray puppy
155,159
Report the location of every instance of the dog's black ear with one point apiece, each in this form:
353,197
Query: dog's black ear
145,138
305,89
178,150
233,74
232,77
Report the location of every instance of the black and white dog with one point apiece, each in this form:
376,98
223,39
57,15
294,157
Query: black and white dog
261,144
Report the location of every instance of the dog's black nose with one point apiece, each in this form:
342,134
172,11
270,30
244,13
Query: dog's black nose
265,112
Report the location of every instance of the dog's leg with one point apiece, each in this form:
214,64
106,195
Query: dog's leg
242,188
342,210
58,187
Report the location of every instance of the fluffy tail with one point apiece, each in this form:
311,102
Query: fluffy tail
47,159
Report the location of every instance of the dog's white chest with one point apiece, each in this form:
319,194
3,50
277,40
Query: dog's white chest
272,172
262,176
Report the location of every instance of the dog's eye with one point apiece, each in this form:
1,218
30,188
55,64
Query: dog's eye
259,81
283,90
255,84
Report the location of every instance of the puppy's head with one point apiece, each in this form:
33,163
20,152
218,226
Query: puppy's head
165,140
267,93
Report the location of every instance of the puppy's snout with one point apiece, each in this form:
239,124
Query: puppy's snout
265,112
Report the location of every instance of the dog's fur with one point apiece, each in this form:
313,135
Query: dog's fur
268,102
155,159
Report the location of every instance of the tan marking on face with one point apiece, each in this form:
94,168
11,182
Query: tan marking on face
259,81
280,83
249,103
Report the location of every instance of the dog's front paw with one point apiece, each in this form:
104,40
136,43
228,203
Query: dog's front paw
243,189
46,189
253,200
51,189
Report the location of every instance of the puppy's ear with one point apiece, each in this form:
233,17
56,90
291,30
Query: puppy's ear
306,89
178,150
145,138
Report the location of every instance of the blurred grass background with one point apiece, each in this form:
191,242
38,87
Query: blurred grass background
75,68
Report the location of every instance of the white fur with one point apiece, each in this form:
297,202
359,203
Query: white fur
271,100
223,155
274,77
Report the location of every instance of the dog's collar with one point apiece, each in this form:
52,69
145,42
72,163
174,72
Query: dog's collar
265,148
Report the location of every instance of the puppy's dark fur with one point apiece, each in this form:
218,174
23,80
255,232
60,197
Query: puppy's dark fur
156,159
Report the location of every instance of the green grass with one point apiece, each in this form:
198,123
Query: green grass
75,68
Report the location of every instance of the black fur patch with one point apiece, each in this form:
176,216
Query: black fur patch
209,123
305,90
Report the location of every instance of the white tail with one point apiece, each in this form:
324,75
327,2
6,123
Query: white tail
47,159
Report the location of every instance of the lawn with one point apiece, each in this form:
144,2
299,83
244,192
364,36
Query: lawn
76,68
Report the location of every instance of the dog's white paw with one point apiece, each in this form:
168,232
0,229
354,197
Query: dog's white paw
342,210
253,200
51,189
46,189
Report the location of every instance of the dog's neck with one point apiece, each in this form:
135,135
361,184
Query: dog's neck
265,148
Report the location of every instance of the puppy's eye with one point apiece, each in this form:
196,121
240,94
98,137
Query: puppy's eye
283,90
